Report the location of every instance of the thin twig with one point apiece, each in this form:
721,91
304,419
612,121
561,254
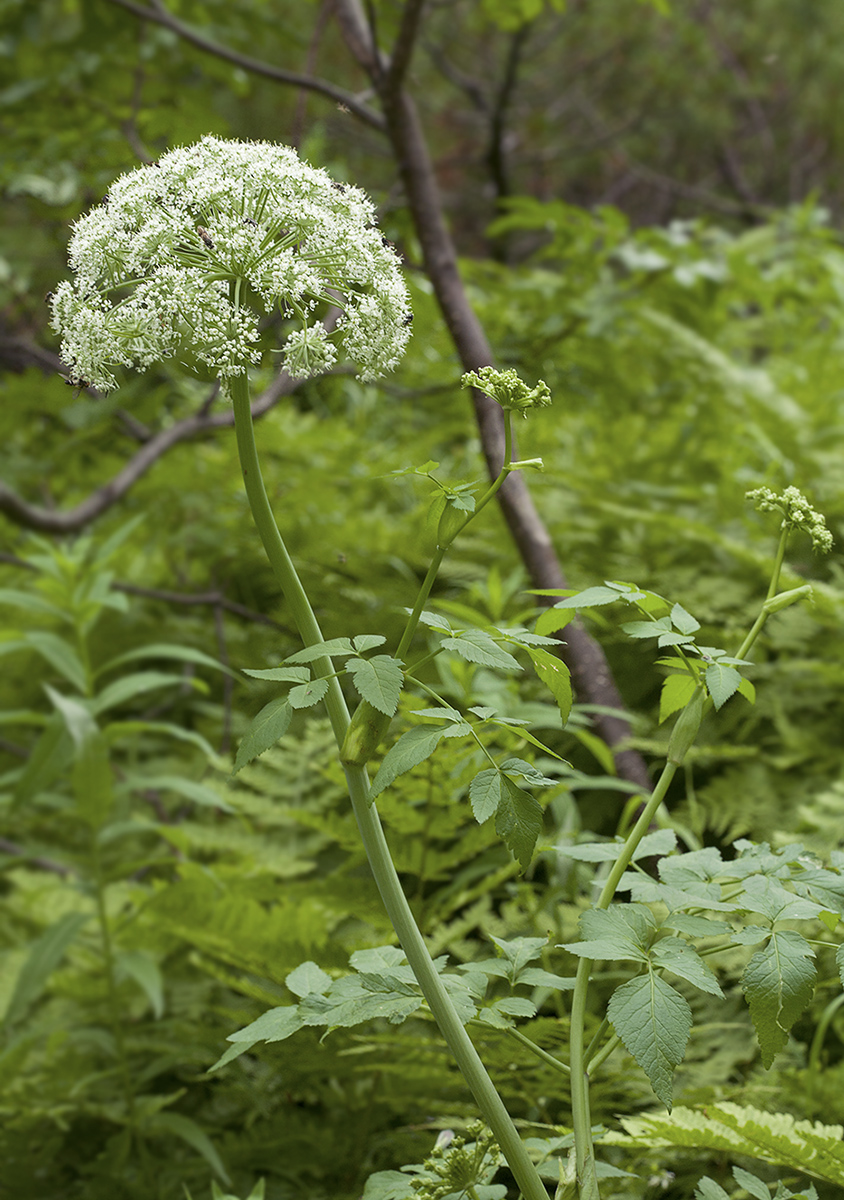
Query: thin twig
347,100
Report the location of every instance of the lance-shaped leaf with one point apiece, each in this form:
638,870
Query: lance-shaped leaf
91,774
654,1023
271,723
555,675
411,749
661,841
272,1026
677,691
779,982
281,674
683,620
518,820
379,680
61,656
46,954
335,646
476,646
307,694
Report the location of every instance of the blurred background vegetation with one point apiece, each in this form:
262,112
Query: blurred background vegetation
646,199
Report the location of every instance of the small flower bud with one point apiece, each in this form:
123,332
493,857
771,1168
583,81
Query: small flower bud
507,389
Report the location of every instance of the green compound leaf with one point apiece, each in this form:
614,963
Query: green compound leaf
752,1184
485,794
338,646
518,816
683,620
518,952
281,674
708,1189
271,723
594,597
622,931
476,646
307,694
555,675
677,691
307,978
411,749
273,1026
378,680
367,641
654,1023
661,841
518,821
355,999
676,955
722,682
779,982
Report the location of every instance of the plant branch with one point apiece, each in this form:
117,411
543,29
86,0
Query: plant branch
160,15
366,815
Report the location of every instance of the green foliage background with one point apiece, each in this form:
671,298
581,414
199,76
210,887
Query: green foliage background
660,245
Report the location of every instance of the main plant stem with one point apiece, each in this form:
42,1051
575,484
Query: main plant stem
372,835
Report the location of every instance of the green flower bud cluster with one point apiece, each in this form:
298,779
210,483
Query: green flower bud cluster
507,389
456,1165
796,511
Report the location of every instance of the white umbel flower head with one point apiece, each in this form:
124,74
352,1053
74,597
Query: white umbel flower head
182,256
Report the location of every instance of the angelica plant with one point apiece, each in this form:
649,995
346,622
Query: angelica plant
180,263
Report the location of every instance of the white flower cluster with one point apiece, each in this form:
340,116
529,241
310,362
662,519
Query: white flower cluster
181,257
797,513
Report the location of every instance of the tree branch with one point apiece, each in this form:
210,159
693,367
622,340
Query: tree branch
47,520
590,671
393,78
160,15
495,156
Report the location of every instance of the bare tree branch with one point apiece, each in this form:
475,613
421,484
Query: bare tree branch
47,520
160,15
216,599
43,864
402,52
590,671
495,156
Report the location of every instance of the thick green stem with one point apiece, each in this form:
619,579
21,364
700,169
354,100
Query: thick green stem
372,834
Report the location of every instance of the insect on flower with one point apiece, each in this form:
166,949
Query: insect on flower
206,236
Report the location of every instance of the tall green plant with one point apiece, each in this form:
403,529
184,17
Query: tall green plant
81,795
173,265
